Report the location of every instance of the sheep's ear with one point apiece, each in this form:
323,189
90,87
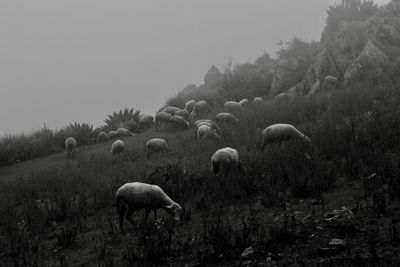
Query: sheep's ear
169,207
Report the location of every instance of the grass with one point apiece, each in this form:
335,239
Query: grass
62,214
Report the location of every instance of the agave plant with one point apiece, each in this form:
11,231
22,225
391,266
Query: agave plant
82,132
123,118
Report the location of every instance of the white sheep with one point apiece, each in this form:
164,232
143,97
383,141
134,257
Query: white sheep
189,105
199,108
102,137
70,147
170,109
156,145
284,98
281,132
208,123
244,102
225,118
225,160
257,100
113,134
162,118
183,113
123,132
117,149
206,132
232,106
134,196
145,121
178,122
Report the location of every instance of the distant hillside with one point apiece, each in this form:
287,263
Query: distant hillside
359,44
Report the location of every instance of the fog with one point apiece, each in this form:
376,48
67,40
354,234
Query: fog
79,60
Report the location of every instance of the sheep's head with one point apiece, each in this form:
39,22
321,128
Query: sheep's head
174,210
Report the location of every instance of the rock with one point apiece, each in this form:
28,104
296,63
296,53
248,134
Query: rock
337,242
247,263
371,58
285,74
247,253
323,65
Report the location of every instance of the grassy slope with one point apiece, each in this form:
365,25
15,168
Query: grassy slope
55,213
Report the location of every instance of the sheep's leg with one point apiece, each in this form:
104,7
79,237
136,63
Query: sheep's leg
128,215
147,216
121,213
155,214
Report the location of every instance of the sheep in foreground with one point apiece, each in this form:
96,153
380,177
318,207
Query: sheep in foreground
102,137
162,118
281,132
225,118
145,122
117,149
225,160
178,122
123,132
113,134
232,106
189,105
156,145
206,132
70,147
134,196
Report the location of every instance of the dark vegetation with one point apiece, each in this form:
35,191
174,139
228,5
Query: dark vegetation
290,200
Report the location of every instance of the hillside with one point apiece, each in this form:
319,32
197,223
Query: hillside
333,202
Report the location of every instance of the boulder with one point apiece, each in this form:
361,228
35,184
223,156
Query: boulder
371,58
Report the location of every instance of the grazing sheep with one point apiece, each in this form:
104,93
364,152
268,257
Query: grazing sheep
162,118
244,102
113,134
156,145
171,110
134,196
178,122
206,132
189,105
70,147
117,149
199,108
284,98
281,132
232,106
102,137
225,160
257,100
225,118
332,80
145,122
183,113
123,132
209,123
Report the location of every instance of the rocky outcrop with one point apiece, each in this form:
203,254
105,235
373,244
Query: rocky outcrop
370,59
323,65
286,74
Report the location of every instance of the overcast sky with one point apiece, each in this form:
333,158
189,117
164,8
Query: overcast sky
63,61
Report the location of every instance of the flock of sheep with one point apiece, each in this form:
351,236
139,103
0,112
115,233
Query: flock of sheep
133,196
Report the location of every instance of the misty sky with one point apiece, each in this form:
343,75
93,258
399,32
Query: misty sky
63,61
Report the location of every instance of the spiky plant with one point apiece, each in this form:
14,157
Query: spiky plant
82,132
122,118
